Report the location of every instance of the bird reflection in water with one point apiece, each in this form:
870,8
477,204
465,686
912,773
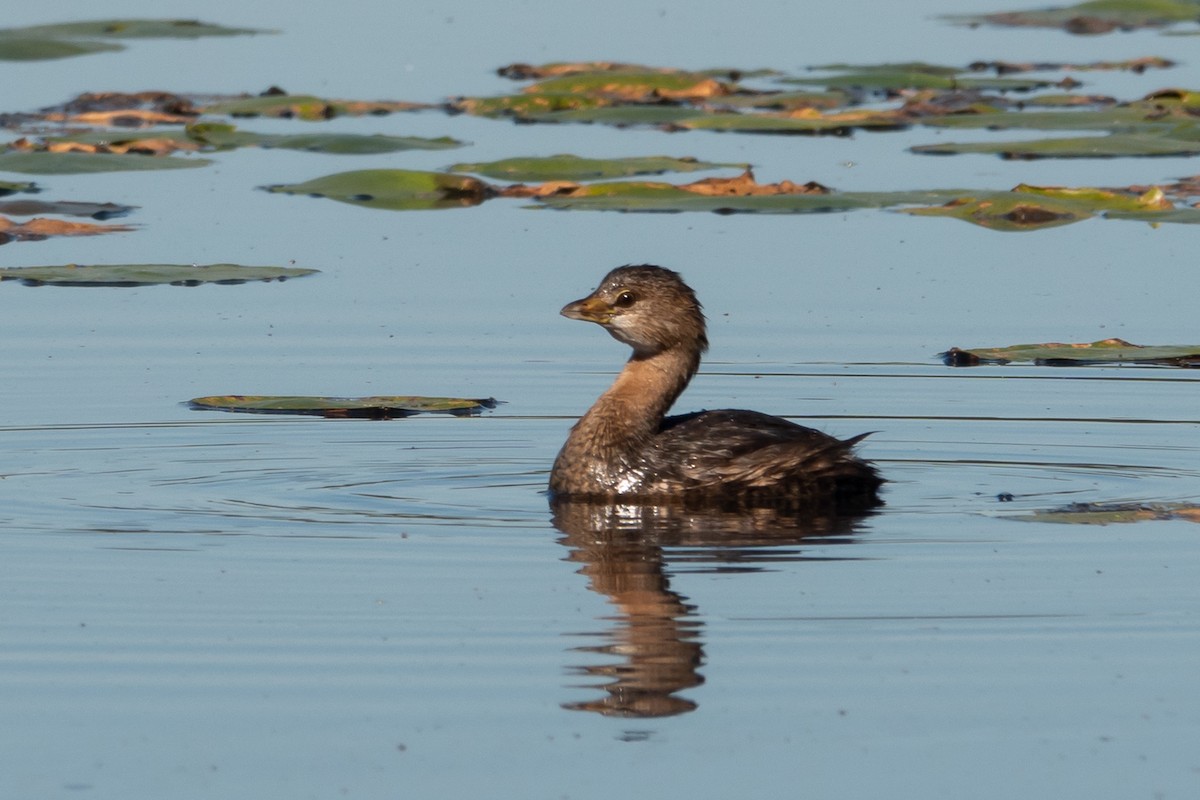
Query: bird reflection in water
655,640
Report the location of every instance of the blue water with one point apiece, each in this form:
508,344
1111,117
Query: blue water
208,605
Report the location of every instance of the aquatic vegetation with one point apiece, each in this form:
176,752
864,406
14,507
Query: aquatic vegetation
1105,351
1113,513
40,228
1095,16
147,274
383,407
65,40
566,167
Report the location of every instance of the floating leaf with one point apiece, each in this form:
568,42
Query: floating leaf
393,189
305,107
147,274
65,40
1111,146
127,29
527,105
41,228
1110,513
40,49
1054,354
361,407
1030,207
897,77
804,121
573,168
12,187
1097,16
28,208
227,136
634,86
35,163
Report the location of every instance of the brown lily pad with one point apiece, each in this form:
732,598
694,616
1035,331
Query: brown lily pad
40,228
389,407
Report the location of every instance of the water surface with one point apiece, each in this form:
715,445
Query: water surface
209,605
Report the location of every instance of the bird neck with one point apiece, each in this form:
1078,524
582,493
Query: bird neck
634,406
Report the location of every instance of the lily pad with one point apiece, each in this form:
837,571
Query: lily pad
526,105
12,187
128,29
40,49
1032,207
305,107
360,407
393,189
1114,513
897,77
1097,16
634,86
147,274
35,163
1055,354
41,42
69,208
574,168
1111,146
227,136
40,228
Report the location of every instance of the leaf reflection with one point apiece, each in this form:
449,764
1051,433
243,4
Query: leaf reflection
654,642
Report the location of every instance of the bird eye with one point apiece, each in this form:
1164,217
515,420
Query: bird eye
624,300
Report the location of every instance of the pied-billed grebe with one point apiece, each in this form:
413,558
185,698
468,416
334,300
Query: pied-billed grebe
625,448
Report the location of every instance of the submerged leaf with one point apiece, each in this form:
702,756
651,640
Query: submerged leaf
1110,513
361,407
1055,354
393,189
148,274
573,168
35,163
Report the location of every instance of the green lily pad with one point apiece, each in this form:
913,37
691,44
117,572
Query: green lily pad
31,208
35,163
1113,513
573,168
1033,207
360,407
1097,16
620,116
227,136
127,29
527,105
1106,351
38,49
1111,146
147,274
393,189
43,42
896,77
12,187
306,107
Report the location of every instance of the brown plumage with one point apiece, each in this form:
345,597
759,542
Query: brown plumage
625,448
